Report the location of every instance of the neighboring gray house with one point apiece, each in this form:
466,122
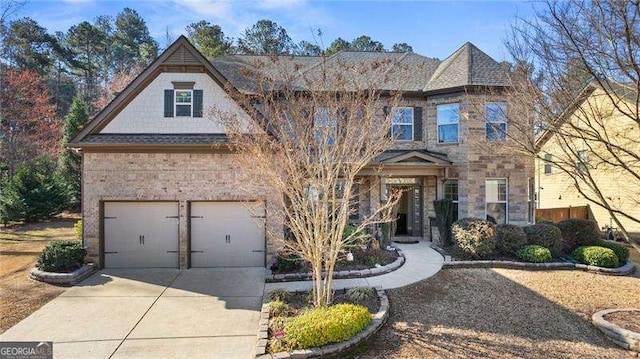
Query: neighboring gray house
160,188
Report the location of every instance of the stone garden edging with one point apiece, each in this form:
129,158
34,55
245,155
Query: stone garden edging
624,270
362,273
377,320
71,278
625,338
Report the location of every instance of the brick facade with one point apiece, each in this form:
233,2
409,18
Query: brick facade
181,177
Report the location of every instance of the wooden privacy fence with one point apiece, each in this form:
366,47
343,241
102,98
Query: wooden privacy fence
560,214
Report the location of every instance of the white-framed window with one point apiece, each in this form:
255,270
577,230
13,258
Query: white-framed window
325,126
448,123
496,121
451,192
547,163
581,164
402,123
497,200
183,102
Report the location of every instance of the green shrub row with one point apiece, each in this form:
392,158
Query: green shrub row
536,243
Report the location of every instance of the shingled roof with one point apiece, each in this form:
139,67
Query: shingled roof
467,66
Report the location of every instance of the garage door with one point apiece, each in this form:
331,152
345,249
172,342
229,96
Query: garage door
141,234
227,234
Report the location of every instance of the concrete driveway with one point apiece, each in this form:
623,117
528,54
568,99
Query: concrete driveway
152,313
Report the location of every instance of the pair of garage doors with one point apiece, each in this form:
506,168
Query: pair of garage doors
146,234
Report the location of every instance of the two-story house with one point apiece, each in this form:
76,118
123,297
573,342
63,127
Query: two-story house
160,187
590,157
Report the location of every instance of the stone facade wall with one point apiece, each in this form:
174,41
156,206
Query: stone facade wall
474,160
181,177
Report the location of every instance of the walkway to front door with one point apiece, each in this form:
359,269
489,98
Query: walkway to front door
152,313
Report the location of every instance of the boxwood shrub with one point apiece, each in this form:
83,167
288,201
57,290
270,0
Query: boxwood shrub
534,253
596,256
474,236
326,325
509,238
545,235
60,256
578,233
619,249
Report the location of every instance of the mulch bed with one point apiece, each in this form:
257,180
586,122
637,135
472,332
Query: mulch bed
299,301
361,257
627,320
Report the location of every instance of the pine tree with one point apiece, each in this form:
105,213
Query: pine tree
34,193
69,162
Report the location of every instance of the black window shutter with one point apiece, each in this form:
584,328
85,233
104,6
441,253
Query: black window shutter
168,103
197,103
417,123
385,111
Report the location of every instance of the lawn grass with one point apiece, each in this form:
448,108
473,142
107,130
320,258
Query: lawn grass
20,246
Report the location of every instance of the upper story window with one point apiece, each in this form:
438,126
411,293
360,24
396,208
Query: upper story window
183,102
448,121
325,126
547,163
402,123
496,122
582,161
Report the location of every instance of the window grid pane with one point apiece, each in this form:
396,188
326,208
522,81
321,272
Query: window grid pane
183,97
183,110
496,200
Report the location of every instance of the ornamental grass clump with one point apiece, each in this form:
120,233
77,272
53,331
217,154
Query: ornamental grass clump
474,236
596,256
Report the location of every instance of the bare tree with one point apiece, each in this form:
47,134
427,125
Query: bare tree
575,82
315,132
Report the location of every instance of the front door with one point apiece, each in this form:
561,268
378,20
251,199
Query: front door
409,217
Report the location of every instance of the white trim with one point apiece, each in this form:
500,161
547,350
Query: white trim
413,123
175,102
438,125
506,202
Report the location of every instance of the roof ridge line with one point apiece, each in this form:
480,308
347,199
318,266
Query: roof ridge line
396,63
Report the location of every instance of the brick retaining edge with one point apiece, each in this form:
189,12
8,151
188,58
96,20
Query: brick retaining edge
624,270
377,321
627,339
63,278
363,273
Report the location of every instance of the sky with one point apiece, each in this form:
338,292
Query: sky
432,28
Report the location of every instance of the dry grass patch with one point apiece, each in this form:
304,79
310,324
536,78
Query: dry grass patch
20,246
502,314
